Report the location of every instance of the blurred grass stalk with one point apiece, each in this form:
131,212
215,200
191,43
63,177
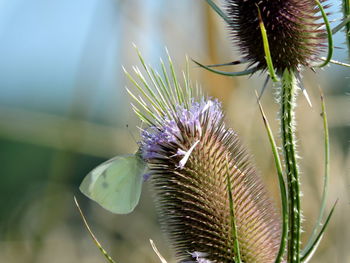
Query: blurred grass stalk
62,133
46,130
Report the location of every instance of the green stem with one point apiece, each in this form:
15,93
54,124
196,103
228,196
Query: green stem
288,95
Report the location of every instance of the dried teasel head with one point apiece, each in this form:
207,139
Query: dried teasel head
190,154
293,30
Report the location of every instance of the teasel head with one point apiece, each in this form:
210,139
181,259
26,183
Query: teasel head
195,163
294,31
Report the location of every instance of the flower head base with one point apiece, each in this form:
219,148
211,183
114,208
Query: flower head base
190,154
292,26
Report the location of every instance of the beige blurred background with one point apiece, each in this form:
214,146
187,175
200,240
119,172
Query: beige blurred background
64,110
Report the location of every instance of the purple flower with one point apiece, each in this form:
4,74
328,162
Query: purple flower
156,139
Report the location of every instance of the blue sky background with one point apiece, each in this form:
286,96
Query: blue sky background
47,48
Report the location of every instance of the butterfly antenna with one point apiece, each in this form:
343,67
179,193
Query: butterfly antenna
131,135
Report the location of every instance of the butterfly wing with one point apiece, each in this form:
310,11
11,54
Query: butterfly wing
116,184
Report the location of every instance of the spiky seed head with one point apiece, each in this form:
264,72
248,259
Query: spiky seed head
292,26
190,153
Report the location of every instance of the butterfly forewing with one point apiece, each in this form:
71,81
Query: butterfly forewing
116,184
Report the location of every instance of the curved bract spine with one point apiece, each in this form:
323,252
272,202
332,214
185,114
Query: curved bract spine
314,235
228,74
282,186
329,35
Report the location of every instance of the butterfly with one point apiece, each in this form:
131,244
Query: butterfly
116,184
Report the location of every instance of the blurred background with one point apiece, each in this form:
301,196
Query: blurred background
64,110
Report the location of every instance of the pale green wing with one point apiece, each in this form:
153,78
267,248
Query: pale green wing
116,184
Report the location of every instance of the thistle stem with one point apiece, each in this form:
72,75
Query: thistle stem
288,95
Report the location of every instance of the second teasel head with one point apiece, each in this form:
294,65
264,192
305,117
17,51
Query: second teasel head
292,26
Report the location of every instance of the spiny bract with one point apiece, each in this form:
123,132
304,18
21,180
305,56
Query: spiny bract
292,26
190,153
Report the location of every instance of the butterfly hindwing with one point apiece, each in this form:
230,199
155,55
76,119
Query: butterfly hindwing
116,184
